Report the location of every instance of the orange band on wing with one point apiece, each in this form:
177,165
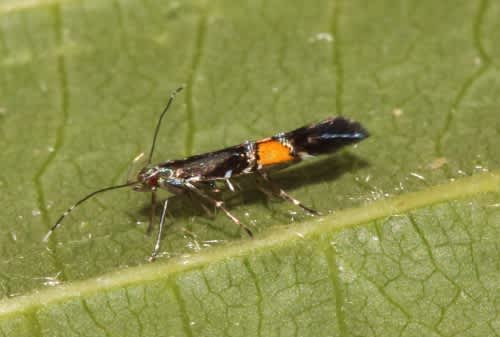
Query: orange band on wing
272,152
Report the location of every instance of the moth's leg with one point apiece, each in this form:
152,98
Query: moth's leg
205,208
156,248
277,191
264,189
152,211
229,185
220,205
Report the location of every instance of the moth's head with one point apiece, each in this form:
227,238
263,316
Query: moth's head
152,177
142,174
147,179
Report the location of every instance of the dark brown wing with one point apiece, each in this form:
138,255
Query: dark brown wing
221,164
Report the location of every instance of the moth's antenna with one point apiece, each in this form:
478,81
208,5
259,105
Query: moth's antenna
170,100
58,222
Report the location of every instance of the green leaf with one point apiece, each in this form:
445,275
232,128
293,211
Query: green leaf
410,247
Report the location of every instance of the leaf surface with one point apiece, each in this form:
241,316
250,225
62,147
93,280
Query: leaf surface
407,245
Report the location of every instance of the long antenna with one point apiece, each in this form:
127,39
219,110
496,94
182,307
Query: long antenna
58,222
170,100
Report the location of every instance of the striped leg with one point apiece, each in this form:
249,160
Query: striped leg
220,205
278,192
156,248
203,206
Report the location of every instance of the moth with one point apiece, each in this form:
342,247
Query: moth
198,174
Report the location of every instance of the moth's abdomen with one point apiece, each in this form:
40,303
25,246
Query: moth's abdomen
274,151
326,136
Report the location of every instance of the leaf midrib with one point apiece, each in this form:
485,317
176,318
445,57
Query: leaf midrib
460,188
